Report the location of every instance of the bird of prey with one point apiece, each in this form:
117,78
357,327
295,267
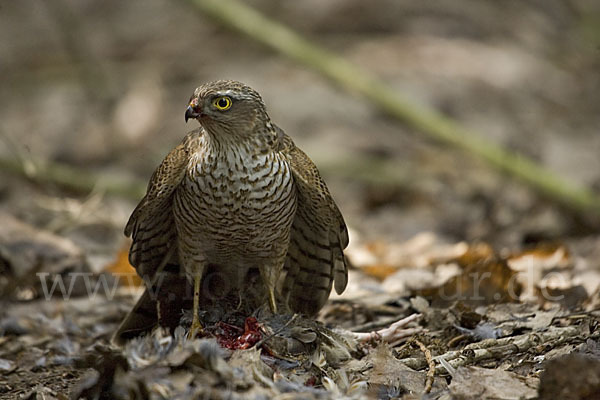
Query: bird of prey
238,195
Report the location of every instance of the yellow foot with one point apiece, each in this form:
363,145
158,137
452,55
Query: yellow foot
196,329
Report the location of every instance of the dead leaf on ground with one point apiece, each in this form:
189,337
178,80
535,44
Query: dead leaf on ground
123,270
31,259
389,377
475,253
379,271
542,269
381,259
471,383
485,279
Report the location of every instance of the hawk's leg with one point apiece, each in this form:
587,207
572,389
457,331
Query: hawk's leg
195,270
269,272
196,325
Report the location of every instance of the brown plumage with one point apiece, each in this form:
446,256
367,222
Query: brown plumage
237,195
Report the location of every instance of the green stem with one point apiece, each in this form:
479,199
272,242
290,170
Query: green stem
74,179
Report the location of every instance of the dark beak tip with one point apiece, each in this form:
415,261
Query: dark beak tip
190,113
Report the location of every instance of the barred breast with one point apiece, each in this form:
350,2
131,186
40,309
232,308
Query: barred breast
234,208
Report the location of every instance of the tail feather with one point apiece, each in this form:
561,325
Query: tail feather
161,303
141,318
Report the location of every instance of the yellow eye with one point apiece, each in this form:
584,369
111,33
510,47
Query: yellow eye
222,103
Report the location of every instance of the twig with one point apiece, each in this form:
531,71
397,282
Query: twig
392,334
369,326
449,368
430,363
497,348
263,340
258,27
456,339
73,179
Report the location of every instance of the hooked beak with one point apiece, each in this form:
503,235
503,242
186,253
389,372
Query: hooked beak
192,110
191,113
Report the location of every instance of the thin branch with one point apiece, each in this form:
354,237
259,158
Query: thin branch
251,23
431,365
73,178
392,334
498,348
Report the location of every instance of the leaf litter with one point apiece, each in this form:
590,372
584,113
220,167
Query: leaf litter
480,324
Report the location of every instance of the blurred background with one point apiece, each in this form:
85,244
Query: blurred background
102,87
93,96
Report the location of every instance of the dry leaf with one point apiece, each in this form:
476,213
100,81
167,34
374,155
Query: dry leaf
485,279
482,383
379,271
123,271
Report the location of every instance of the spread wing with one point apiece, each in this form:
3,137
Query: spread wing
319,235
151,225
152,228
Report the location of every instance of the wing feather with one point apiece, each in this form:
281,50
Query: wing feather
152,229
152,225
318,237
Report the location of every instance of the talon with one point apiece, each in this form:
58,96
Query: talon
195,330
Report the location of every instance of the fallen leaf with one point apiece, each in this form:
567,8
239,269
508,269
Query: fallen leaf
485,279
123,270
379,271
482,383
